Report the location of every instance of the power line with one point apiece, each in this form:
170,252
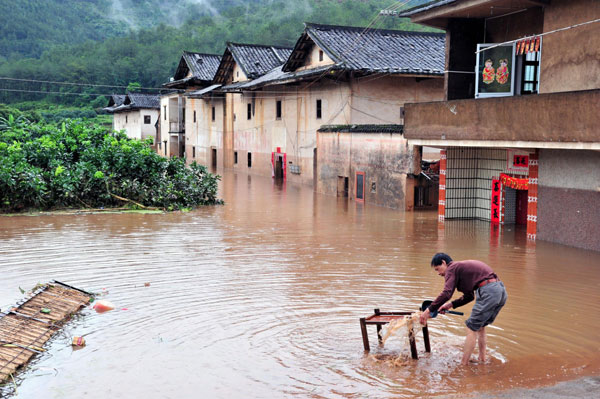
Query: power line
76,84
55,92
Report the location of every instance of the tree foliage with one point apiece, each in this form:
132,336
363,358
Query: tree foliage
150,55
77,164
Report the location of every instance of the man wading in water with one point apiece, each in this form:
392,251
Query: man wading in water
468,276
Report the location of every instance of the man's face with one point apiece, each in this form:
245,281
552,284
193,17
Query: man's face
441,269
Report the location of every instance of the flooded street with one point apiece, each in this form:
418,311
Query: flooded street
262,298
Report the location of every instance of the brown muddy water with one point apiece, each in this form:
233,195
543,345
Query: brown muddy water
261,298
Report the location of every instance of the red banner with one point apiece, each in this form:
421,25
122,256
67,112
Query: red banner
514,182
496,192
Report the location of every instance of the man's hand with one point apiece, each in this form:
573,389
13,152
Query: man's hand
424,316
444,307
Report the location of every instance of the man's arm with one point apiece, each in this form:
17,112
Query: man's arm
463,300
446,294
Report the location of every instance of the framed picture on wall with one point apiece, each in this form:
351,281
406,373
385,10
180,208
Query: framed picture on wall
495,70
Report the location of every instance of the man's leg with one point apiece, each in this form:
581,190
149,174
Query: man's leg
470,342
481,340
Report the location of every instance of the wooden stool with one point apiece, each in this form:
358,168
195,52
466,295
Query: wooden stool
381,318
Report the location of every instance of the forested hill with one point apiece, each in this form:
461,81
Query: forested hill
116,42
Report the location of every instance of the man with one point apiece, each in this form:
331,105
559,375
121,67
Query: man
469,277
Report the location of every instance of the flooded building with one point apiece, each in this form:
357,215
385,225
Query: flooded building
335,75
519,124
135,113
231,130
195,71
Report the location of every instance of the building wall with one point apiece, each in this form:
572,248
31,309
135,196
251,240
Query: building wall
571,58
378,101
167,114
148,130
204,134
384,158
569,198
312,60
130,122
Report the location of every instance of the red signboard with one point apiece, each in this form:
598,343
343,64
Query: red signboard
520,161
495,208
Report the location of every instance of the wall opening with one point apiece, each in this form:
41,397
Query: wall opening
235,157
342,186
214,158
360,187
249,159
279,167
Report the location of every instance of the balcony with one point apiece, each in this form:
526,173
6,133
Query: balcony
176,127
560,120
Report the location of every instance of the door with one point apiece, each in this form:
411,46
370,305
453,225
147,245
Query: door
521,212
279,167
360,186
214,158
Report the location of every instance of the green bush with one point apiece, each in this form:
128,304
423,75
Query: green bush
77,164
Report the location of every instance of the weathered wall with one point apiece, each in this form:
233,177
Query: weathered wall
569,198
148,130
130,122
312,60
378,101
571,58
384,158
166,114
555,117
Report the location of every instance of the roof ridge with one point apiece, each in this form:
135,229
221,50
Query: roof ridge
267,46
362,28
195,52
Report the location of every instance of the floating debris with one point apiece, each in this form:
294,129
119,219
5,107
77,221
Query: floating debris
26,328
103,306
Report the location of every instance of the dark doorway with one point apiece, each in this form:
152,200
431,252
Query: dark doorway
315,175
214,158
279,167
521,211
342,187
360,186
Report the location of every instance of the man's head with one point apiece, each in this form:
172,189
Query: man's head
440,262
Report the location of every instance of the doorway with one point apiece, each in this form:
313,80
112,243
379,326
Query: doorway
360,186
521,209
279,167
214,159
342,186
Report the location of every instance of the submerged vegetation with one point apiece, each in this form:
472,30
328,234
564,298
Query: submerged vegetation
84,165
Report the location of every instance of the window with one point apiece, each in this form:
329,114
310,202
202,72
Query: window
193,152
125,118
147,120
319,114
165,111
401,113
235,159
194,116
249,111
360,186
249,159
529,73
320,55
278,109
213,114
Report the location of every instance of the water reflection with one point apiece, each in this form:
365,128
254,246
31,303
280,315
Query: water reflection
261,298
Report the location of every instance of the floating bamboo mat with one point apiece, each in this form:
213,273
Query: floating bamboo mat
26,328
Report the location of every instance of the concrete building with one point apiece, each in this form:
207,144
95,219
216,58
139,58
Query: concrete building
135,113
228,131
519,124
194,71
334,75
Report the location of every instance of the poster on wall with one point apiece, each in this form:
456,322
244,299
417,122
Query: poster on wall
517,161
495,75
496,198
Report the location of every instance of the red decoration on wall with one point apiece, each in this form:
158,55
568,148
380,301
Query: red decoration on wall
514,182
495,208
530,45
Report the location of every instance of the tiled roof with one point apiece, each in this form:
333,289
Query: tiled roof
277,76
254,59
133,101
373,50
202,66
116,100
398,129
425,7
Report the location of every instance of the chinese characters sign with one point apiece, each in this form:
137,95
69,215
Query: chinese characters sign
517,161
496,196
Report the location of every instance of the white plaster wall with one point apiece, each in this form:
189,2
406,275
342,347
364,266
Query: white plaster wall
130,122
148,130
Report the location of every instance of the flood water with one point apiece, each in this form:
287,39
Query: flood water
262,298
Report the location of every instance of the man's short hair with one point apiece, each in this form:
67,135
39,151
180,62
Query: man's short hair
439,257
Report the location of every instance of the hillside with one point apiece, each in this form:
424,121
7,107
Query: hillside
115,43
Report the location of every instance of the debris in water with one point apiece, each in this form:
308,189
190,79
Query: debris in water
146,284
103,306
78,341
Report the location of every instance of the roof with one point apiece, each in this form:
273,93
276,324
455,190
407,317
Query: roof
277,76
254,59
202,92
133,101
398,129
425,7
116,100
373,50
202,66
